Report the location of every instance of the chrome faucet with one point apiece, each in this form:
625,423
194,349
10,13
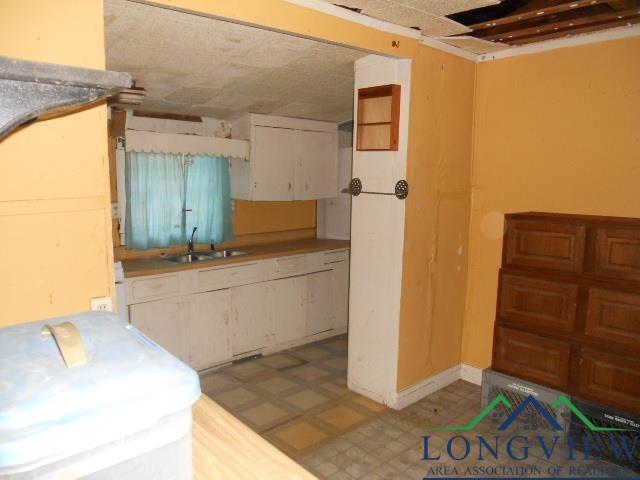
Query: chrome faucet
190,241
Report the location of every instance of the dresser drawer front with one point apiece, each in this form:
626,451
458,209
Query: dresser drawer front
225,277
618,253
532,357
294,265
537,303
610,379
545,245
153,287
614,315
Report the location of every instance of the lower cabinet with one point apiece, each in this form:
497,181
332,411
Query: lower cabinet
162,321
320,302
287,308
208,328
251,326
205,329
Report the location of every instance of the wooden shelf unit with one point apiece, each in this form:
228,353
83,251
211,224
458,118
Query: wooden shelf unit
378,118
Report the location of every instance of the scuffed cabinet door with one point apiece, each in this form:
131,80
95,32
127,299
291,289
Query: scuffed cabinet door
251,325
287,308
209,328
341,294
161,321
320,305
272,163
316,169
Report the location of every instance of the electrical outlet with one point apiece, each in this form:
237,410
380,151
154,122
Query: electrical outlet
101,304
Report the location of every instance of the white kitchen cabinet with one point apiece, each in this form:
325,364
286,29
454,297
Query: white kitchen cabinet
316,171
251,325
287,308
209,316
163,322
273,163
320,305
208,328
341,294
291,159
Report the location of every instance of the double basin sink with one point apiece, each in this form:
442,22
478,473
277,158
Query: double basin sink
203,256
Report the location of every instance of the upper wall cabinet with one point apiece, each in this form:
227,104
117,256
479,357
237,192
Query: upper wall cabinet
291,159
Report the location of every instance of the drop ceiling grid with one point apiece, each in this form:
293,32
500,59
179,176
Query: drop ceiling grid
196,65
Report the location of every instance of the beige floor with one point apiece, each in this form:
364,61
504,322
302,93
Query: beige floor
298,401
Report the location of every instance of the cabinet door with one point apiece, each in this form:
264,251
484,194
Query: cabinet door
272,163
287,308
161,321
208,328
320,304
251,324
341,294
316,170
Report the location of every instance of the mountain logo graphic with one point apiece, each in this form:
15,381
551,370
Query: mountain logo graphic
530,401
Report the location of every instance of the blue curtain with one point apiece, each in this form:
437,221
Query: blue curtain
169,194
208,198
155,191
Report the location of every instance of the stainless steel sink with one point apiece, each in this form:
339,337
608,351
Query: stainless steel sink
203,256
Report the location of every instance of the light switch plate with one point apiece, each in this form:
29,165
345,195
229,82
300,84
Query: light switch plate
101,304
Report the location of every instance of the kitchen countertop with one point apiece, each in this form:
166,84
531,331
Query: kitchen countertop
156,265
224,447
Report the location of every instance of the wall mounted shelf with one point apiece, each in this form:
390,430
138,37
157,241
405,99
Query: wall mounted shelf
35,90
378,118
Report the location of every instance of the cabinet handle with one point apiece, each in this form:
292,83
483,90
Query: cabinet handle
290,186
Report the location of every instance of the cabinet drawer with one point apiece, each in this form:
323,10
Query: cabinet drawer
610,379
614,315
294,265
618,253
546,245
225,277
532,357
335,256
537,303
153,287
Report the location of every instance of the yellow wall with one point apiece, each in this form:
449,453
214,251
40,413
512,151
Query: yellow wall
251,218
55,247
437,215
557,131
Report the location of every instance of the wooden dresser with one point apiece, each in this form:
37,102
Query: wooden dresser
568,313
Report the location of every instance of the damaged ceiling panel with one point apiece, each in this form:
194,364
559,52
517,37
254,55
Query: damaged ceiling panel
193,65
473,45
426,15
519,22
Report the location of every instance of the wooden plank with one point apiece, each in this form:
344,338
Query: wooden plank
223,447
576,31
560,27
565,7
167,116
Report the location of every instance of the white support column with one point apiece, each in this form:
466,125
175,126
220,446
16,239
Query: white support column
377,239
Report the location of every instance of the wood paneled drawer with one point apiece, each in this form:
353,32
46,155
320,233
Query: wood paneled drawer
531,357
546,245
153,287
231,276
538,304
293,265
610,379
618,253
614,315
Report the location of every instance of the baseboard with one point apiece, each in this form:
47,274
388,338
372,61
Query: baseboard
470,374
417,392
